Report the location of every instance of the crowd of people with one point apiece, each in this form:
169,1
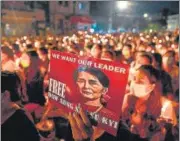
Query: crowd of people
150,106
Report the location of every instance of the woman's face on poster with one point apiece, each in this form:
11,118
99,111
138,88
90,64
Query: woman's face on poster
89,86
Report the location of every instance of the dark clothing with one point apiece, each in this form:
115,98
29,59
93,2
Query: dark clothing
123,133
19,128
61,125
35,89
166,82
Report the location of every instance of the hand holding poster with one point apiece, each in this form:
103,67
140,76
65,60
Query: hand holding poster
95,85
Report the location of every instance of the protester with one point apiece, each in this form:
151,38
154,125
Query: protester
7,59
34,80
108,55
96,51
15,124
171,68
127,54
144,105
44,61
165,77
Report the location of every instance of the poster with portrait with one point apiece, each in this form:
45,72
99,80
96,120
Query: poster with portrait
97,86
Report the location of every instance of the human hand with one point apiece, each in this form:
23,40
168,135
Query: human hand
81,126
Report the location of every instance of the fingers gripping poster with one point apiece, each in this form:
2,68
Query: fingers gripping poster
97,86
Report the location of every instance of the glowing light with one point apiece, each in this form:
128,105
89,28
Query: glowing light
141,34
145,15
160,41
122,4
167,38
24,44
25,37
130,38
92,30
147,36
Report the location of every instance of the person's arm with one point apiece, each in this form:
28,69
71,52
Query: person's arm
125,105
167,121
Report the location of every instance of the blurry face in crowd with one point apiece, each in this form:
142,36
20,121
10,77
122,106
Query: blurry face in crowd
141,86
95,51
89,86
167,61
106,56
126,52
149,49
4,57
141,61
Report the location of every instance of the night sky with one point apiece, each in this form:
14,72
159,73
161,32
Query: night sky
136,8
154,7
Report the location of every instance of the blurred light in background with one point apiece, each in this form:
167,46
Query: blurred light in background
122,4
91,30
145,15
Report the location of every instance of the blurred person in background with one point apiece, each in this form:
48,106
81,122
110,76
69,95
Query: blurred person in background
127,54
7,59
165,77
96,51
108,55
175,47
147,113
142,47
169,65
144,59
16,51
17,55
163,49
44,61
16,124
34,79
141,58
